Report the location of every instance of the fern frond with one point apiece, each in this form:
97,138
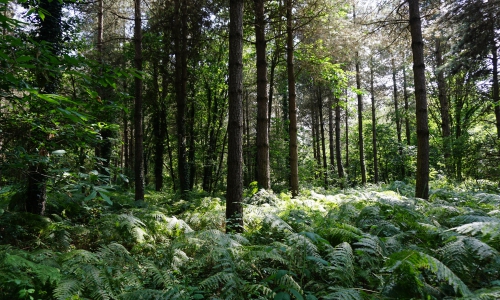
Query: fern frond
340,293
490,230
467,219
341,268
68,288
423,261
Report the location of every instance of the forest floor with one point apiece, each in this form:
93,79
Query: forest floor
376,242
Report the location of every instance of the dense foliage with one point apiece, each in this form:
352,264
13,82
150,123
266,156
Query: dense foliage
371,243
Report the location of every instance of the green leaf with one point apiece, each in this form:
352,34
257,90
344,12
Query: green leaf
282,296
296,293
91,196
106,198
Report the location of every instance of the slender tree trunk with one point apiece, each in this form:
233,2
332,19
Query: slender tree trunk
458,152
340,168
315,138
158,130
360,124
323,142
180,49
50,31
422,176
407,109
192,148
444,107
294,167
331,134
496,86
346,131
398,118
234,191
374,126
263,169
208,166
138,131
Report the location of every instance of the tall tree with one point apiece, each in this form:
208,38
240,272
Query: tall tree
263,169
234,190
374,125
417,45
49,30
138,130
292,105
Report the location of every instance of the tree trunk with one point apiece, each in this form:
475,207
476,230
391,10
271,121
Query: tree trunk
323,142
263,170
374,126
138,131
422,176
331,134
192,148
340,168
180,49
496,89
360,123
346,131
444,107
407,109
292,106
50,31
398,119
158,129
234,191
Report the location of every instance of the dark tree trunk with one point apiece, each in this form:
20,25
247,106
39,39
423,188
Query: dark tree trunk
496,86
331,134
138,131
234,191
292,106
407,108
192,149
422,176
208,166
323,142
180,49
374,126
263,170
340,167
444,107
158,131
50,31
346,131
398,119
360,124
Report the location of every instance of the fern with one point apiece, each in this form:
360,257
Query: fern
339,293
411,265
341,265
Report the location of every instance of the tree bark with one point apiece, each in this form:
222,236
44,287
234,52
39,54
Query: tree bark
444,106
407,109
263,169
360,123
340,167
234,191
422,176
374,126
398,119
138,130
331,134
323,142
180,49
292,107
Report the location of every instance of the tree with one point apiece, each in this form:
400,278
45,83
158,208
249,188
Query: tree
292,106
234,190
263,171
417,45
138,130
49,31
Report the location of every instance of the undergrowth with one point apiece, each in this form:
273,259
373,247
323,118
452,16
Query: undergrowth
371,243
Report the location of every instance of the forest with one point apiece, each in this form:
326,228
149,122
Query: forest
265,149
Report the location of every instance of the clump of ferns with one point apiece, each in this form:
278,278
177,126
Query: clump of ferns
210,214
22,271
104,274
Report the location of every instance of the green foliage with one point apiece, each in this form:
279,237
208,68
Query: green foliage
360,244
